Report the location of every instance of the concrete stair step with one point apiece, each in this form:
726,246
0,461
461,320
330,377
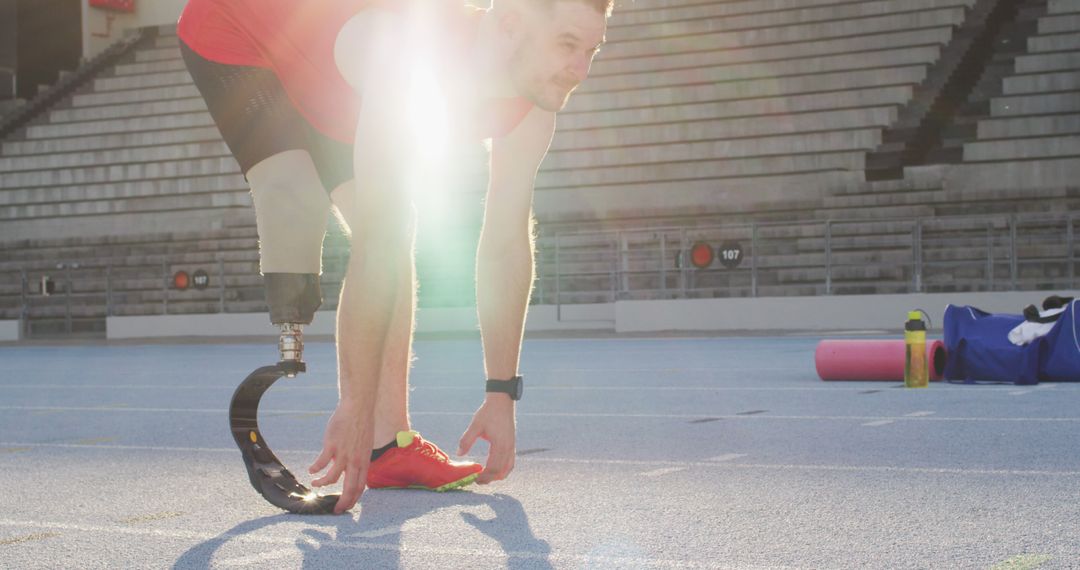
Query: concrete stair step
130,206
811,123
167,42
128,110
755,14
911,179
1035,104
235,253
750,71
146,95
144,67
130,125
125,156
621,93
225,165
733,168
146,55
1059,23
764,55
875,200
113,141
796,34
1029,126
1046,62
783,145
762,29
120,190
768,108
171,78
1020,149
1053,43
1042,83
1007,207
127,261
91,242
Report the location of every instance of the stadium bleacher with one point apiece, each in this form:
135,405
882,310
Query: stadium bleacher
1038,115
754,114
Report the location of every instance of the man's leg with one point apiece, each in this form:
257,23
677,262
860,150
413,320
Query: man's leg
408,461
291,211
391,402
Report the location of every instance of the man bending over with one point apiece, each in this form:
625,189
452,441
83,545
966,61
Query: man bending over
317,100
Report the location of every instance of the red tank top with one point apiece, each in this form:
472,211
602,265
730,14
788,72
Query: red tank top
295,39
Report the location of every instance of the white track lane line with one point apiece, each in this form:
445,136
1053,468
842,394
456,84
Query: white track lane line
756,417
624,462
919,414
727,457
662,471
878,423
289,539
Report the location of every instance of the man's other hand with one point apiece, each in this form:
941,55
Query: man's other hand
347,444
493,422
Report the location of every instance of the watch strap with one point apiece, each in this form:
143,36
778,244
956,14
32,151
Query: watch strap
511,387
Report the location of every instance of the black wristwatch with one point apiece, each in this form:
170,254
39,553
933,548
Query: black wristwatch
513,387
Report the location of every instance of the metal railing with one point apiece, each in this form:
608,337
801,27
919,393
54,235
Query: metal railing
64,294
977,253
68,292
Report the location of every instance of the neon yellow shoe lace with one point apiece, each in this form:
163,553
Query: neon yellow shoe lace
428,449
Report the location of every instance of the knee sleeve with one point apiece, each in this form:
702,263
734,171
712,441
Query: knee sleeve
291,211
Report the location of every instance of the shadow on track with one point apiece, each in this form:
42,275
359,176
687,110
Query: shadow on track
374,539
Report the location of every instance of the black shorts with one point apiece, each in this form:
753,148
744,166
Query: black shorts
257,120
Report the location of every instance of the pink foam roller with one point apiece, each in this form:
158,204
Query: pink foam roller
872,359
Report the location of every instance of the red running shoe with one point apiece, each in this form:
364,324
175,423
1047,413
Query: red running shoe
419,464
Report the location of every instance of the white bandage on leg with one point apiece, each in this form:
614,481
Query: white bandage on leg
291,211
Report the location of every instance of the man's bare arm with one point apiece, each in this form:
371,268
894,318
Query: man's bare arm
378,213
505,270
504,277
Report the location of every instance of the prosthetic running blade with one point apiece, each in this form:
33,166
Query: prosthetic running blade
266,472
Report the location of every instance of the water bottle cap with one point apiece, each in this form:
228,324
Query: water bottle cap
914,315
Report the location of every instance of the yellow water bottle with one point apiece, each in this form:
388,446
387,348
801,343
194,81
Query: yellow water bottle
916,367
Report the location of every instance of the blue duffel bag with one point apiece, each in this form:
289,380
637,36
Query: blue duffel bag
979,348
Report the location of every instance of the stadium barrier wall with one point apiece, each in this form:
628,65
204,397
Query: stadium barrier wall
430,320
10,331
763,314
825,313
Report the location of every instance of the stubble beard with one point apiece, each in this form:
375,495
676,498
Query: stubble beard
549,94
546,93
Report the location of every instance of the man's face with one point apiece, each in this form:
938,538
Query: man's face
556,52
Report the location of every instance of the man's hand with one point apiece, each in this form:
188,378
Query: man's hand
494,422
347,443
